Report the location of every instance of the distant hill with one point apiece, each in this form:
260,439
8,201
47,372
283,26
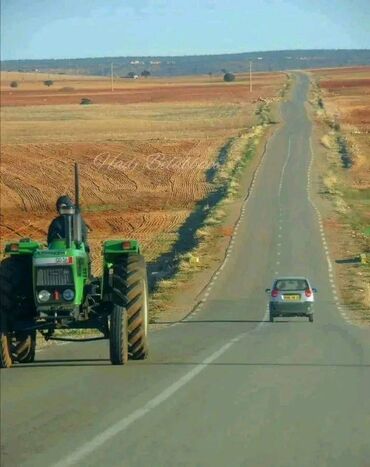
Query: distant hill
196,64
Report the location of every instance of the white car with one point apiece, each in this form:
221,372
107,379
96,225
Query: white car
291,296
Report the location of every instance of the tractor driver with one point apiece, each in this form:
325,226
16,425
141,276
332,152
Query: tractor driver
57,227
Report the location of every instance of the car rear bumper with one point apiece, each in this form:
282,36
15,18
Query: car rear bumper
291,309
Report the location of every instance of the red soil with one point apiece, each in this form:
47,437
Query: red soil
345,83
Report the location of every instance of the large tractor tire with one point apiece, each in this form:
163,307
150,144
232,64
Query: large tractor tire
118,335
131,288
16,302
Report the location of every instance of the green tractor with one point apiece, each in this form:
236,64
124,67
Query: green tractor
48,288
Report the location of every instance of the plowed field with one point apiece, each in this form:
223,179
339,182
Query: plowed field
146,153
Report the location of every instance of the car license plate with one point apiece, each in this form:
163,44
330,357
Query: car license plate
292,298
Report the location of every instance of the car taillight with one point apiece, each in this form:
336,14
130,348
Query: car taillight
274,293
308,292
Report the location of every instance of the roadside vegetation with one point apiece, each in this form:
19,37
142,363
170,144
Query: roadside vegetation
345,180
241,150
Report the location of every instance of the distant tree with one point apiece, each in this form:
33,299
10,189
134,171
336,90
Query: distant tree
86,101
14,84
228,77
224,71
210,74
48,82
145,73
130,74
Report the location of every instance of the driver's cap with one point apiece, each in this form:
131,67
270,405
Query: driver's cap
64,202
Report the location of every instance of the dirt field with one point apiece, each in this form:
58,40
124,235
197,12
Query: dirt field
344,121
146,151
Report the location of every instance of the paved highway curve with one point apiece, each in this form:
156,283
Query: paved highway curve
225,387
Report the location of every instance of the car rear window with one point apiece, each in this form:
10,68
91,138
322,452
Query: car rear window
291,284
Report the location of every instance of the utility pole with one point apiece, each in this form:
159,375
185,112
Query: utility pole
111,74
250,76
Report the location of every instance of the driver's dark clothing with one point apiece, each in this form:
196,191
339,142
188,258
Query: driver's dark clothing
57,230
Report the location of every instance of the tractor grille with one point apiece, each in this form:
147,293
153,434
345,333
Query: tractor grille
51,276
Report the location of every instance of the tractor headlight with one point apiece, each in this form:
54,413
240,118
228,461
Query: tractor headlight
68,294
43,296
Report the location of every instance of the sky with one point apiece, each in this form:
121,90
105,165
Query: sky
35,29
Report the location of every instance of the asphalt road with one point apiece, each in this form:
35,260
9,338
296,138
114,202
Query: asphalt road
225,387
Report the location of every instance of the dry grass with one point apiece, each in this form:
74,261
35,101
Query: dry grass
327,142
71,123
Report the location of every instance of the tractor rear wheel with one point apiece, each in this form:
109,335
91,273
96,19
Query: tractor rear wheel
16,302
118,341
131,286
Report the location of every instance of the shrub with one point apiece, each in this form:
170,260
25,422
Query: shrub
14,84
228,77
86,101
48,82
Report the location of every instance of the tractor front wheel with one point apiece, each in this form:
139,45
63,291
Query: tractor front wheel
118,335
25,347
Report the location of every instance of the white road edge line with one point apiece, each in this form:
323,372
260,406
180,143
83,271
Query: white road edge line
324,244
122,425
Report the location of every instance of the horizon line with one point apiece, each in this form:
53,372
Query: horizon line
182,56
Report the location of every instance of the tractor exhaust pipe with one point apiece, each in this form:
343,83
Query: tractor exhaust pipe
77,187
77,225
